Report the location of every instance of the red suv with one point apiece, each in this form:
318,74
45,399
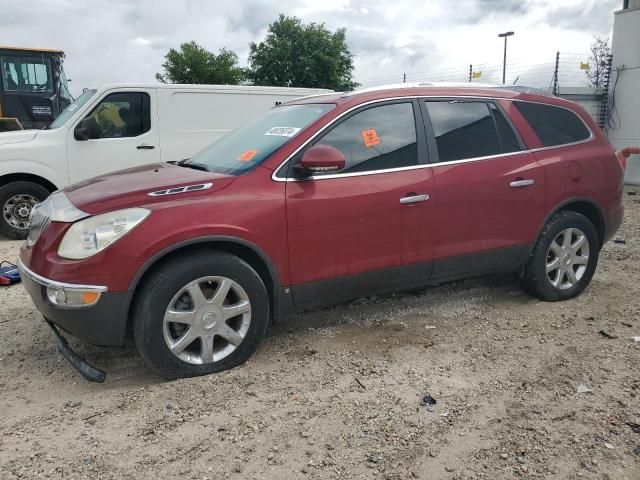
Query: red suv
320,200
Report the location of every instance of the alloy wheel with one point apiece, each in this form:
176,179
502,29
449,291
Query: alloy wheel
207,320
567,258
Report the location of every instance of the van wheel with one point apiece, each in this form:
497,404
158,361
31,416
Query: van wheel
564,258
17,199
199,314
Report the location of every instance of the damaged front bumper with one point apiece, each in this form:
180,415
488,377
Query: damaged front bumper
88,312
87,370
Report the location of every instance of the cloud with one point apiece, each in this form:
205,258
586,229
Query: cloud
473,11
594,18
125,41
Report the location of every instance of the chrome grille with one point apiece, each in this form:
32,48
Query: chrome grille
40,219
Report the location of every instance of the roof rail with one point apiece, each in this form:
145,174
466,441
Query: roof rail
515,88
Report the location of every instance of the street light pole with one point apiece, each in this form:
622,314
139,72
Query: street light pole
504,60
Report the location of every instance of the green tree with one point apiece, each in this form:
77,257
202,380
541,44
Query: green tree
195,64
299,55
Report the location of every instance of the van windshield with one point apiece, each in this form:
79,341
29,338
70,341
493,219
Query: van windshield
251,144
73,107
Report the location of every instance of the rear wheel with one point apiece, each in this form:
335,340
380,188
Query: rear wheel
17,199
200,314
564,258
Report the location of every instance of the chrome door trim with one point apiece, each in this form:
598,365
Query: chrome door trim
427,165
414,199
522,183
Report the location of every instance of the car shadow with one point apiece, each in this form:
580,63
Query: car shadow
126,369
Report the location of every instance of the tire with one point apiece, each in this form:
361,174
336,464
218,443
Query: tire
16,201
173,285
557,283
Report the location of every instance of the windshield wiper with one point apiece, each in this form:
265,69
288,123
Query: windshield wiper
195,166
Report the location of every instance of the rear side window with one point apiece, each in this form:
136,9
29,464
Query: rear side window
553,125
463,130
378,138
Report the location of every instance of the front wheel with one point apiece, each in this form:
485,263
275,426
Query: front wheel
17,199
199,314
564,259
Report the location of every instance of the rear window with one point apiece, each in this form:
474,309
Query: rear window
553,125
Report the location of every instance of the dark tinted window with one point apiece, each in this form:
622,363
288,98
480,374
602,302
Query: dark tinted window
508,138
377,138
463,130
553,125
123,114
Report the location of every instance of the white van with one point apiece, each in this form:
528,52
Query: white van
121,126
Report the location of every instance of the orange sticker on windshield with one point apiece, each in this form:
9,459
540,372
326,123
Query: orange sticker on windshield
248,155
370,137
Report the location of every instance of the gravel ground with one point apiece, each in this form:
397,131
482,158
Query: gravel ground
338,392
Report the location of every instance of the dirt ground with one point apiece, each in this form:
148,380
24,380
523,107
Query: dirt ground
337,393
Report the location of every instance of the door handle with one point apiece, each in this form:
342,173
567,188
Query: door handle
144,146
522,183
414,199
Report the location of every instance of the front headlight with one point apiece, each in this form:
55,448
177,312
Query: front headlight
92,235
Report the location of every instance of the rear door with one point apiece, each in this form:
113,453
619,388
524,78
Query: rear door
128,126
359,230
490,191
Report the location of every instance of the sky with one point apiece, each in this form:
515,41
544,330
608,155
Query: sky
126,40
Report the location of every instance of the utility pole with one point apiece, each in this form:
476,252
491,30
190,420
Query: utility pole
404,78
470,71
504,60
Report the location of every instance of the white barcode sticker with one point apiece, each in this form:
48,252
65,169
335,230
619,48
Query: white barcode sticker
283,131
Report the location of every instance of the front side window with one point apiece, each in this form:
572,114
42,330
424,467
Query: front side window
463,130
123,114
378,138
26,75
553,125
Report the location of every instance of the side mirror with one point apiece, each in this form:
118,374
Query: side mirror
321,159
87,129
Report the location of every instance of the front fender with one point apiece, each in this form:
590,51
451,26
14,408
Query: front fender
24,166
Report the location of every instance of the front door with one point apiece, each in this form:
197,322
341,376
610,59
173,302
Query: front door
491,192
359,230
128,136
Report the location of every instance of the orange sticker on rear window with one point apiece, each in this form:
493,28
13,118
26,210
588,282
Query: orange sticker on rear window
370,137
248,155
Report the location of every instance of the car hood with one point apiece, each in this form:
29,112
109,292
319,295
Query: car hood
17,136
131,187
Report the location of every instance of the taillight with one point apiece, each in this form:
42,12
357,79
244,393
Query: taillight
622,159
624,154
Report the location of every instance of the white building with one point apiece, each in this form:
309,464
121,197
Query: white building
625,84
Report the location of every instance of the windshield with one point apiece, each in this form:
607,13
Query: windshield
26,74
250,144
71,109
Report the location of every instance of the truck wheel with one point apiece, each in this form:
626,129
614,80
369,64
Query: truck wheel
16,201
564,258
200,313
